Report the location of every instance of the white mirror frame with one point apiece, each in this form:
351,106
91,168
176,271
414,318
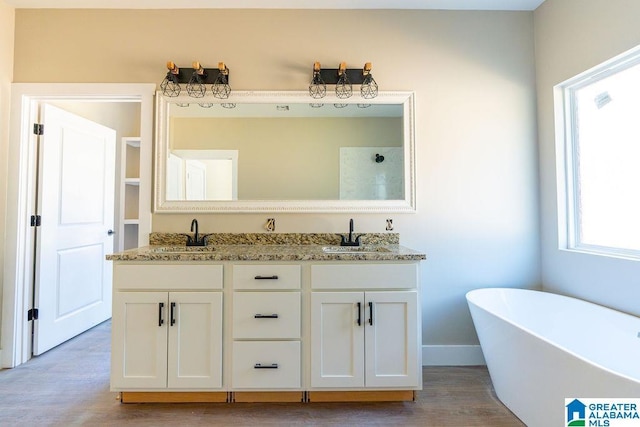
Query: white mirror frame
408,205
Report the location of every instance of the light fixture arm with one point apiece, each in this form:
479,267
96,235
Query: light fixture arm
173,68
208,75
198,68
366,70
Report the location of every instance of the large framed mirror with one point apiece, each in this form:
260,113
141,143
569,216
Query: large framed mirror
285,152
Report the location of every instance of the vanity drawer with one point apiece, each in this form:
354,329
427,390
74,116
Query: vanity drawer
168,276
266,364
266,315
370,276
267,276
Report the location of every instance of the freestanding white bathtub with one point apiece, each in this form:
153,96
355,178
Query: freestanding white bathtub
541,348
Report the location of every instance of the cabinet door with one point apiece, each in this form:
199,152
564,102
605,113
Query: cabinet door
337,340
391,339
139,340
195,340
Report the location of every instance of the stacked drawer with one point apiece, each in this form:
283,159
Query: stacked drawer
266,327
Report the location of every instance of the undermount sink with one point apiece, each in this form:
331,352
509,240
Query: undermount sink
354,249
182,249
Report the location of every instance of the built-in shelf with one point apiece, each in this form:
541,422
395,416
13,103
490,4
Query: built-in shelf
129,193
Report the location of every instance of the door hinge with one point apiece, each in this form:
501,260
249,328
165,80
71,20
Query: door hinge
32,314
38,129
36,220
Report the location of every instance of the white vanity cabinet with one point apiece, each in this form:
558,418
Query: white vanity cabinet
162,337
247,331
365,335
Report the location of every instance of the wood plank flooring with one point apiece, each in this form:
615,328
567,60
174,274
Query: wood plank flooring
69,386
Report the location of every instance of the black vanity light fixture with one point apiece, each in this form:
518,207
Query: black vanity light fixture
196,82
343,78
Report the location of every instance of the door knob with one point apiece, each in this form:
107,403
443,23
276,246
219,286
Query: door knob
111,232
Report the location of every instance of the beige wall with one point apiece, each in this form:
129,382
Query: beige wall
123,117
571,37
7,19
473,75
286,158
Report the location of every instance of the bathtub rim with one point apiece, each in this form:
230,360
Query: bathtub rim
469,298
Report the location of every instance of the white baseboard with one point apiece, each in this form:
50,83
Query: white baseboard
452,355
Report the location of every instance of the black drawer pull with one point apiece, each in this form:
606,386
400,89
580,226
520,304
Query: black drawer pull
172,316
160,310
260,366
266,277
266,316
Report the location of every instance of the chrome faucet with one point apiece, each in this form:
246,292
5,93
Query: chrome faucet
196,240
350,242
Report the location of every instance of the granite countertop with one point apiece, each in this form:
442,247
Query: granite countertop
270,247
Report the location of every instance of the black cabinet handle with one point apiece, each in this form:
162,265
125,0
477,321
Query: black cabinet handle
160,310
370,313
266,316
266,277
359,314
173,318
260,366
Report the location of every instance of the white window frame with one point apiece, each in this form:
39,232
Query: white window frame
566,153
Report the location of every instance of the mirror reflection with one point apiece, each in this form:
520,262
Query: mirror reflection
281,149
286,152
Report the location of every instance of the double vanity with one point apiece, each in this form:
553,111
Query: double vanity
266,317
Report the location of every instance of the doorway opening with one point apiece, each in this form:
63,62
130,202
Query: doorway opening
22,179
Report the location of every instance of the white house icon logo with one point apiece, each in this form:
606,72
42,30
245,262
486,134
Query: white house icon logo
576,415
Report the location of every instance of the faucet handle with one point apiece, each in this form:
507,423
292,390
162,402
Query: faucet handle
344,241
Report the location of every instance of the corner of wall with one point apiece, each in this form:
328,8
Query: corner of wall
7,41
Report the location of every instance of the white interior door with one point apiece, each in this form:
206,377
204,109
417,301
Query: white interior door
76,203
196,180
175,178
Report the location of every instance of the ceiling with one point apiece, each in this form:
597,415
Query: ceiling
279,4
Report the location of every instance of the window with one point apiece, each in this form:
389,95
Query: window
600,158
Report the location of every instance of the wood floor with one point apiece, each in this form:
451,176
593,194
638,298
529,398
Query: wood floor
69,386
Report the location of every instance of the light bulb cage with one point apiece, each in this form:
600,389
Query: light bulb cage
317,88
220,87
369,87
195,87
170,86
